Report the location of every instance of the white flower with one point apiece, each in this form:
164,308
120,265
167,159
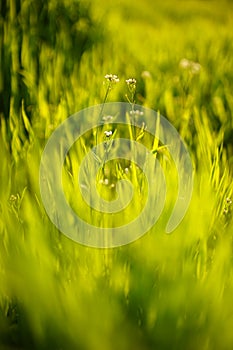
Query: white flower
108,133
105,181
193,67
112,78
184,63
136,112
146,74
107,117
131,81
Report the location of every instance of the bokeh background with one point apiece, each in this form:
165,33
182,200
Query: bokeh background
163,291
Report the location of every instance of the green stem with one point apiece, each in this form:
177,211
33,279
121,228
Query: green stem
102,108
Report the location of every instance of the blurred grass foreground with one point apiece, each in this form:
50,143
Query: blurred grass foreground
162,291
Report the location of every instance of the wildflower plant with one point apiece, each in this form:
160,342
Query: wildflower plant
130,96
189,72
131,83
110,80
108,140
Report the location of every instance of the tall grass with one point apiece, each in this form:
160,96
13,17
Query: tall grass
162,291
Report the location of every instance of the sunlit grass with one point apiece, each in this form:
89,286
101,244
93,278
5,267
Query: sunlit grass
162,291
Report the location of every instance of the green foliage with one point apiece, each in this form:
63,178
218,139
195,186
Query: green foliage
40,39
162,291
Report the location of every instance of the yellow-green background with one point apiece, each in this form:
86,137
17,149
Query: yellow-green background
162,291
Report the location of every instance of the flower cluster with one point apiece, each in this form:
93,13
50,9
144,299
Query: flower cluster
131,84
192,67
131,81
108,133
136,112
107,117
145,74
228,206
112,78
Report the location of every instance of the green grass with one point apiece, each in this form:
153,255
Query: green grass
162,291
